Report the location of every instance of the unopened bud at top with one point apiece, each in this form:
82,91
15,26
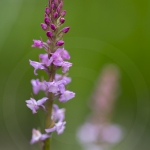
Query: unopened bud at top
53,27
44,26
63,13
49,34
47,10
60,43
66,29
62,20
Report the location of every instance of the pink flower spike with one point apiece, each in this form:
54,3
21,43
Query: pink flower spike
55,86
37,43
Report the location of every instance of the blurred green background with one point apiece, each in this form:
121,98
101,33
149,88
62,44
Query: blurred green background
102,32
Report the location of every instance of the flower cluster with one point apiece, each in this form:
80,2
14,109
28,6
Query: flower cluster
57,58
54,59
58,115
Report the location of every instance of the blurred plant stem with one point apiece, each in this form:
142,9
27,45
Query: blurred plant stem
49,123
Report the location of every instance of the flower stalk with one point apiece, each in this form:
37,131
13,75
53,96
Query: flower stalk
50,62
48,121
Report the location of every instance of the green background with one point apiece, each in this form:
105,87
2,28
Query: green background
102,32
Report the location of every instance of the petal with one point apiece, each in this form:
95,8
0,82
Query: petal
60,126
33,141
36,85
66,66
67,80
61,130
61,88
45,60
55,107
42,101
67,95
44,136
36,66
29,102
33,108
51,129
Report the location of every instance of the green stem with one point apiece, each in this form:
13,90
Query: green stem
48,122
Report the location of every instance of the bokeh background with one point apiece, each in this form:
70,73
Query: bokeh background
102,32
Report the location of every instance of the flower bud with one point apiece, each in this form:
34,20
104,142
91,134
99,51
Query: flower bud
56,14
44,26
66,29
47,10
47,20
62,20
49,34
59,7
48,41
61,4
63,13
56,2
45,15
53,27
60,43
53,6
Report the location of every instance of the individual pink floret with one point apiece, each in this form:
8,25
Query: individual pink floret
67,95
37,136
37,43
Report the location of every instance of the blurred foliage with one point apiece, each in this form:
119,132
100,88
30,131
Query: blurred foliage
102,32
